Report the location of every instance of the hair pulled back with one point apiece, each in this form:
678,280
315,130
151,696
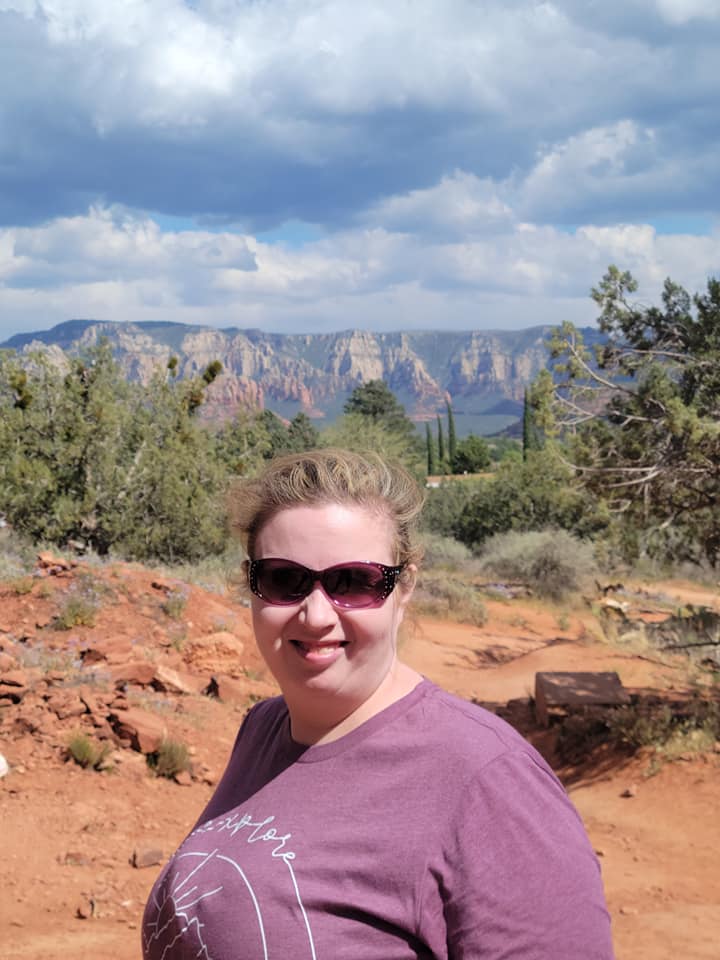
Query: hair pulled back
324,476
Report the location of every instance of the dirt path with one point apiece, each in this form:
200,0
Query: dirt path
68,834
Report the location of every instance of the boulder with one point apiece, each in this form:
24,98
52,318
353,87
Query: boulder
561,692
141,672
177,681
144,731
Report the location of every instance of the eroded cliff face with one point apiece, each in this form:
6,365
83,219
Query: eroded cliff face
316,372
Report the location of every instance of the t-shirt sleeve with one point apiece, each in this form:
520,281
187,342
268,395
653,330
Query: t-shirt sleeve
518,879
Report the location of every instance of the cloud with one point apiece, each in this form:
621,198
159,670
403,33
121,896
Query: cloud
112,265
450,162
320,109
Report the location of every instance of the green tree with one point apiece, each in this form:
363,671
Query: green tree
430,450
302,434
641,413
356,432
472,455
531,433
442,455
530,495
452,437
93,458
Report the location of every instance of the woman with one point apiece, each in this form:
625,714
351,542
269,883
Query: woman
366,814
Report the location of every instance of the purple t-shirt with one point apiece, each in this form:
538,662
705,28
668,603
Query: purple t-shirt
431,831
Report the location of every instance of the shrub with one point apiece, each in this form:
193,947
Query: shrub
440,595
170,758
174,604
77,611
88,753
552,562
17,554
22,585
446,552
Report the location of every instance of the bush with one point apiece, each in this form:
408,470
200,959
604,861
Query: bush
553,563
77,611
87,753
444,505
440,595
446,552
170,759
174,604
17,554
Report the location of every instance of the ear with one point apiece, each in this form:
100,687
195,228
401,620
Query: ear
406,585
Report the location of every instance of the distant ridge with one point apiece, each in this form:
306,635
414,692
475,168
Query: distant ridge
483,373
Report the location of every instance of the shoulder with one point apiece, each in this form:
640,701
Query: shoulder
263,715
466,731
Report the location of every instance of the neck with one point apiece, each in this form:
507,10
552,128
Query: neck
321,727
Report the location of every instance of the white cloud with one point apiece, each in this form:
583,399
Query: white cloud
113,266
682,11
449,152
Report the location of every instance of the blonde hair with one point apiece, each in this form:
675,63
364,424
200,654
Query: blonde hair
324,476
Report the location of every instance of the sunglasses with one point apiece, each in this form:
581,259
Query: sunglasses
350,585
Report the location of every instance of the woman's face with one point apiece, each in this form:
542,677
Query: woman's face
323,656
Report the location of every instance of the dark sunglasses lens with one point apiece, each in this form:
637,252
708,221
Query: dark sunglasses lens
354,584
281,581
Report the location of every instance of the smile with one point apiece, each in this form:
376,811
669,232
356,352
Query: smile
318,651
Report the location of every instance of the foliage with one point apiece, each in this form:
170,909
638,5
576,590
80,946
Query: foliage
88,753
642,414
17,554
529,495
439,594
76,611
302,434
357,432
442,453
552,562
472,455
531,432
174,603
171,758
445,504
452,436
84,455
431,453
446,552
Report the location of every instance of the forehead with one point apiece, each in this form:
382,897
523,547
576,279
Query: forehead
322,535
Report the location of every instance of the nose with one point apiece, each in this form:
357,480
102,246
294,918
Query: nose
317,611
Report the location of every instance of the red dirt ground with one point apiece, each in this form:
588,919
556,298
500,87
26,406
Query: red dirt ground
68,834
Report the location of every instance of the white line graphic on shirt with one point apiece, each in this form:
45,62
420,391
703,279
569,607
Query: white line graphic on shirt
177,904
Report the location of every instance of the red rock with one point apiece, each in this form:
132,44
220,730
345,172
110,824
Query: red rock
145,731
183,778
146,857
219,652
6,661
228,690
176,681
66,705
141,672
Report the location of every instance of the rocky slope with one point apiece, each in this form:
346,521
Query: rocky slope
483,373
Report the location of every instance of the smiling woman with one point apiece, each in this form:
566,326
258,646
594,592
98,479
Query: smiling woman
366,814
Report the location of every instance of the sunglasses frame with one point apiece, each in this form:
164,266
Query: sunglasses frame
389,574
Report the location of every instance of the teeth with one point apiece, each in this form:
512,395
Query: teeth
319,647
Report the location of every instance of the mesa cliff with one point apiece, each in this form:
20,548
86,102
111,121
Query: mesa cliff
482,373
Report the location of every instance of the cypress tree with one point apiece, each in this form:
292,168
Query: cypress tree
441,441
530,433
452,438
431,457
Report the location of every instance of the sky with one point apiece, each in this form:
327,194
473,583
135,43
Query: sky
319,165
